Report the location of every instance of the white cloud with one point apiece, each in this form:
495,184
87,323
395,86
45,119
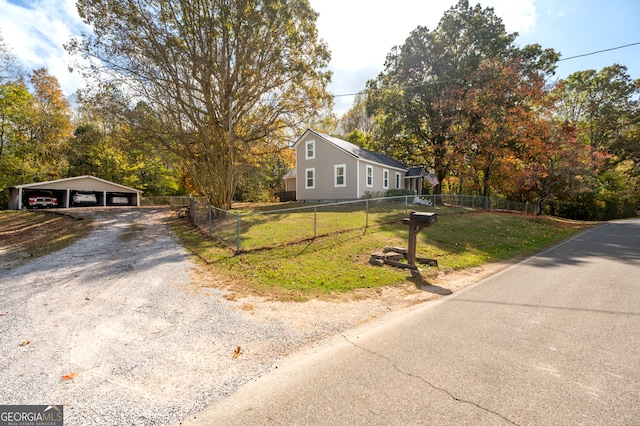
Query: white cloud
517,15
36,34
361,33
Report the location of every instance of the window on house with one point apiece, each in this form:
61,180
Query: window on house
310,178
339,175
397,180
310,150
369,176
385,179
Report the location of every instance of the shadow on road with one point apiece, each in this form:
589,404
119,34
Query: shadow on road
536,306
619,241
425,285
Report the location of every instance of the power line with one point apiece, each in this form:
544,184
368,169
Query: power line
599,51
349,94
559,60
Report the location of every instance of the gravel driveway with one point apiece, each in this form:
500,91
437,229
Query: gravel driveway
149,345
118,309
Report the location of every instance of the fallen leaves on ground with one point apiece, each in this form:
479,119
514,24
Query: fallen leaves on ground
237,352
69,376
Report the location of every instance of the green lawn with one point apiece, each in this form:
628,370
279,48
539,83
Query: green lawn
264,226
338,262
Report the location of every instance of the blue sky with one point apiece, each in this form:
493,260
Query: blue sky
361,32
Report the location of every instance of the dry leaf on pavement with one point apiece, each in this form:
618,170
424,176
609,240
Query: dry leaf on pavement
69,376
237,352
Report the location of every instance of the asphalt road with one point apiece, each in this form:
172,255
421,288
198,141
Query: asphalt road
553,340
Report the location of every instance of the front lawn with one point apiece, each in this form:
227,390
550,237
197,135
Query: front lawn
338,262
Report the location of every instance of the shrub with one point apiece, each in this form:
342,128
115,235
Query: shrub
372,194
398,192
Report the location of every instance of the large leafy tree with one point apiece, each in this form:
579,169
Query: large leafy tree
560,168
605,108
356,119
49,126
15,106
220,80
501,123
34,129
427,100
109,145
15,101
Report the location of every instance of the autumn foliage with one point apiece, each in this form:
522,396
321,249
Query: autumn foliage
485,115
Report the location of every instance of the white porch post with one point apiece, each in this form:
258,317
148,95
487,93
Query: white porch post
358,178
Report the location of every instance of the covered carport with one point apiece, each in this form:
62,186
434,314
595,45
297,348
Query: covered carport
94,191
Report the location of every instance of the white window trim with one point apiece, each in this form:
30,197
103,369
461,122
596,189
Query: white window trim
306,150
369,175
335,175
398,180
385,179
306,178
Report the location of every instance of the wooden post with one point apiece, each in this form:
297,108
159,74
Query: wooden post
417,222
413,237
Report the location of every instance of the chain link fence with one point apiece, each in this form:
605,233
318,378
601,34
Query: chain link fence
165,201
273,226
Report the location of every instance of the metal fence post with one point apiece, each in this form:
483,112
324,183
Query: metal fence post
315,221
210,224
366,220
194,212
238,235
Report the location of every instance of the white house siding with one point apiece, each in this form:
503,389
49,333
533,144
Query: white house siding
326,157
378,178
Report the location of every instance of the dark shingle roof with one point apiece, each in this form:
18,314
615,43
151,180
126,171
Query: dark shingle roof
415,171
361,153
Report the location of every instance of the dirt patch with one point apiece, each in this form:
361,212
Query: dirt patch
25,235
359,306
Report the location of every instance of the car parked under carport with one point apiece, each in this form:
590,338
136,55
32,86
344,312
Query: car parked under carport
41,201
75,192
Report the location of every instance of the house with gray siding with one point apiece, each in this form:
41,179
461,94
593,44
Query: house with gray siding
329,168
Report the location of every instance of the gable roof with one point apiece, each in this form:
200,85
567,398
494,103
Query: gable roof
416,172
75,183
291,174
356,151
